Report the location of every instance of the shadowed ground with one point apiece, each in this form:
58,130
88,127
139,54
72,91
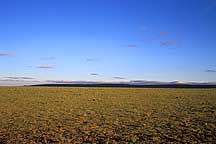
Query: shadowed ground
107,115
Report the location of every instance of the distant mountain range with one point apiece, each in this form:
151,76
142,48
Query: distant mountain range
132,83
13,81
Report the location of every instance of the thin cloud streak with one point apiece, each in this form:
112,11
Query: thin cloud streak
19,82
45,67
132,46
7,54
167,42
118,77
50,58
94,74
89,59
210,71
19,78
58,81
163,33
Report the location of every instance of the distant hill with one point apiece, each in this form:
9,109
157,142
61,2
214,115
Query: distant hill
132,85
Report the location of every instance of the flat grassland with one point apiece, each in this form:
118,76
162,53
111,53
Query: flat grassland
107,115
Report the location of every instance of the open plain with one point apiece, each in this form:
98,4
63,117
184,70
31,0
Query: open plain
107,115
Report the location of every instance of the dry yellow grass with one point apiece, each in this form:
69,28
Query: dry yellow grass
107,115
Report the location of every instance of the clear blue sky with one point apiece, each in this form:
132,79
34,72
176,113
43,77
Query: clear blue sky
99,40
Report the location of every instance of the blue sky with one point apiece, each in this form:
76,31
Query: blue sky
106,40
